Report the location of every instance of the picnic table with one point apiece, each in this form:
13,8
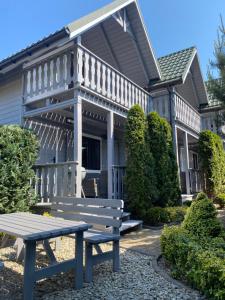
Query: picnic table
32,228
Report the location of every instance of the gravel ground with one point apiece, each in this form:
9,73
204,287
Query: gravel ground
137,279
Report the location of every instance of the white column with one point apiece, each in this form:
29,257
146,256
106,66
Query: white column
110,151
186,151
78,142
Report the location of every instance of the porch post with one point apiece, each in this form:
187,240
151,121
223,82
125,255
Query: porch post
186,151
110,151
78,142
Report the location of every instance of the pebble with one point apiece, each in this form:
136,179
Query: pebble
137,280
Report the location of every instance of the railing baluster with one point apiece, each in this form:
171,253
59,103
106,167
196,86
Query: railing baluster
98,76
86,69
113,85
109,94
122,90
118,88
93,65
103,80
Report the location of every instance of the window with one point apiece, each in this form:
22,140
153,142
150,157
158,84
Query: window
195,161
91,159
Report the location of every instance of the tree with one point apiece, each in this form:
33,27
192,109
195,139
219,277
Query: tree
212,162
165,167
18,153
216,85
139,170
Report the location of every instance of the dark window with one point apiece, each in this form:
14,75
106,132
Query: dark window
195,161
91,153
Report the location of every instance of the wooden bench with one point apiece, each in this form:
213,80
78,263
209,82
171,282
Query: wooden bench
105,215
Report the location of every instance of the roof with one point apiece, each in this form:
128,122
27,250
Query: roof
175,65
85,23
27,51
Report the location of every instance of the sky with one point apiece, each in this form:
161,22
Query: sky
172,24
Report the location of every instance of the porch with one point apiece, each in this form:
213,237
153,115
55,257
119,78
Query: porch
72,95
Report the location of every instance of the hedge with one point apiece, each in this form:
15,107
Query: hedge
160,215
212,162
18,153
202,265
196,249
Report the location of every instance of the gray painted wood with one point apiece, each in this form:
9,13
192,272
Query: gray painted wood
30,228
11,101
94,211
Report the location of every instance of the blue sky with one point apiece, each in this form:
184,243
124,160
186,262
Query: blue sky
172,24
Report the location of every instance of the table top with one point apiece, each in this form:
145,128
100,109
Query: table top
35,227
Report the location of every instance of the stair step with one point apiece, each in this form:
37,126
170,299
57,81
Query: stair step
131,224
126,216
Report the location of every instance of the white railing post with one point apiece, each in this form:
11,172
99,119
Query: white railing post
110,151
78,142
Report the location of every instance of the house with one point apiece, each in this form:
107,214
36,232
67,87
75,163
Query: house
74,88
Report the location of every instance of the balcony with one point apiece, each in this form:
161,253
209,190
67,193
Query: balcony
186,114
76,67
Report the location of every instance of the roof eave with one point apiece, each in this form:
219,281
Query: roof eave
33,48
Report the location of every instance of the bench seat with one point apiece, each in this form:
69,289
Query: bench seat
97,237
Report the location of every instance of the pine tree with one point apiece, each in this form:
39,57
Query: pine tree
216,73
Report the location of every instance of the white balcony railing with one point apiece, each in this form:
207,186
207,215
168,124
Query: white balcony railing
186,114
57,179
77,66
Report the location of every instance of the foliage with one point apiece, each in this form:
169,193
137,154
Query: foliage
159,215
201,196
216,86
139,170
202,264
220,200
212,162
165,166
18,153
201,220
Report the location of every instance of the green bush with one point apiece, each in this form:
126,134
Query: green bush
201,219
201,264
165,166
220,200
139,165
201,196
18,153
212,162
159,215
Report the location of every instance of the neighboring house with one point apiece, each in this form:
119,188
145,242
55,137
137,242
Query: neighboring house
75,87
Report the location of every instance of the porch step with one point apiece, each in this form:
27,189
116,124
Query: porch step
126,216
186,197
131,225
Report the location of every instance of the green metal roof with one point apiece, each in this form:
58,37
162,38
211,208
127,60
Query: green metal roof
175,65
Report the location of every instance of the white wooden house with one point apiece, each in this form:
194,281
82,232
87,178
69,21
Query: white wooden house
75,87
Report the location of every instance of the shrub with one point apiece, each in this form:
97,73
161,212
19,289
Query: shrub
201,196
201,219
159,215
165,166
18,153
199,263
220,200
139,170
212,162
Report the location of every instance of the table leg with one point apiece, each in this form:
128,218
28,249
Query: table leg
29,269
79,260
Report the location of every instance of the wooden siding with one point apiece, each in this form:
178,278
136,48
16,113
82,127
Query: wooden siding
10,102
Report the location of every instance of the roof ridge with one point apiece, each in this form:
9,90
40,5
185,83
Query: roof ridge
177,52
